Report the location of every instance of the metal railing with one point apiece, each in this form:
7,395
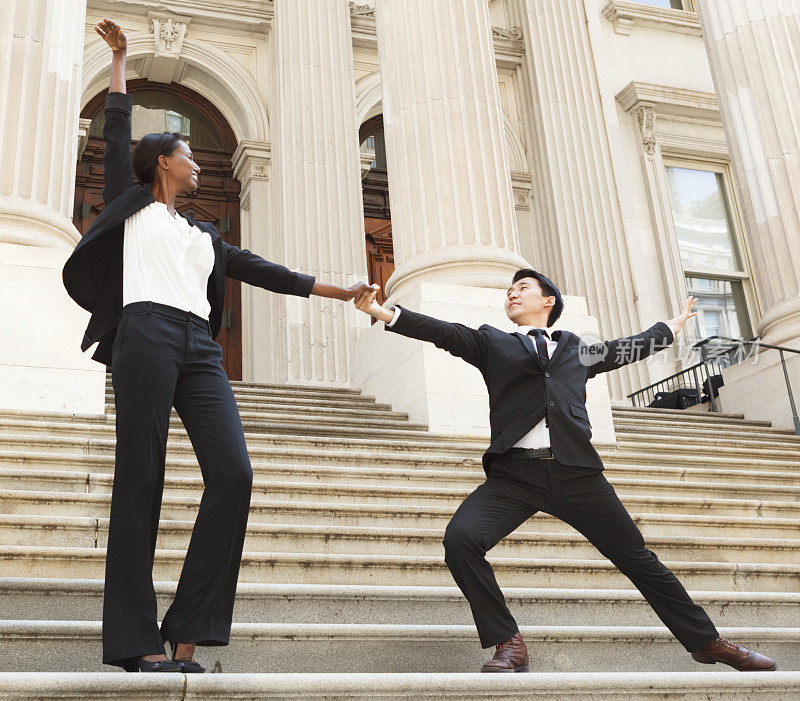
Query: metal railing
717,352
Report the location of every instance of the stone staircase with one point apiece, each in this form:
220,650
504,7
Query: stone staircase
343,589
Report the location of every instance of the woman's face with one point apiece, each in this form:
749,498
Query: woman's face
180,169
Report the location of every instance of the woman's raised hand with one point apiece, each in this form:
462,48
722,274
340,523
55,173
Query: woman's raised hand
112,34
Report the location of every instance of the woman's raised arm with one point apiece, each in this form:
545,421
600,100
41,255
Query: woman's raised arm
115,38
117,169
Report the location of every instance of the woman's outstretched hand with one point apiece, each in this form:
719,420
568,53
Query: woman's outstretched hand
112,34
322,289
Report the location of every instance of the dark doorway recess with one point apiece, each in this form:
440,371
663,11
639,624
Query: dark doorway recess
173,107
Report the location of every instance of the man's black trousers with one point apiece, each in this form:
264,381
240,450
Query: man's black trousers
514,491
165,357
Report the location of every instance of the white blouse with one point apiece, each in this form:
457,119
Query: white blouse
166,259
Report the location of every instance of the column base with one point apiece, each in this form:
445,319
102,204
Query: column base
442,391
41,364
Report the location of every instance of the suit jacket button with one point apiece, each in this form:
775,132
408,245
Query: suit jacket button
547,374
551,403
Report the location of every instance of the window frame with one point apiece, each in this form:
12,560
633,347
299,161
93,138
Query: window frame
736,222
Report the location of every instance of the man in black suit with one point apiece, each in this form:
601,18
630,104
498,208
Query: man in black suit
541,459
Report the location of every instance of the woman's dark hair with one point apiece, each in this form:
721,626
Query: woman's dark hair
147,151
548,290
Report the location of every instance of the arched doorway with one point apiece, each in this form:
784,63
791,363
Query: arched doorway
161,107
377,213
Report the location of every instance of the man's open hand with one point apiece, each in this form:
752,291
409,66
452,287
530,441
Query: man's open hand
367,303
687,313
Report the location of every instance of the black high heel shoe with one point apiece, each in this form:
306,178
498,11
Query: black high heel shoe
139,664
186,666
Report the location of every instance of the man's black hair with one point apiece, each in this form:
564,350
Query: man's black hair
548,290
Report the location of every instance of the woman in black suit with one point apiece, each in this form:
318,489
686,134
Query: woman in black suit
155,284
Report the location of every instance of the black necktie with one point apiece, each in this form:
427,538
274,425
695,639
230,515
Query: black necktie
541,345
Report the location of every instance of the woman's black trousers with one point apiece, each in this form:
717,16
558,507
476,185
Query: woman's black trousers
165,357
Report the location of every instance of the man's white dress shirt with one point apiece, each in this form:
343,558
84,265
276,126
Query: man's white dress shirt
167,260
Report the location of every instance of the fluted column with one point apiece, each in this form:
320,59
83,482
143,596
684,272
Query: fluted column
41,54
452,209
578,221
316,211
753,47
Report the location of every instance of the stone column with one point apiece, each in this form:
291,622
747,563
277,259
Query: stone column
453,222
453,215
578,220
753,47
41,54
316,210
251,167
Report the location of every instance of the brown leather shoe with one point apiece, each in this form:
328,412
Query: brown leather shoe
737,656
510,656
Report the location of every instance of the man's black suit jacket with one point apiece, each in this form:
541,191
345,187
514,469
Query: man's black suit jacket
93,273
522,392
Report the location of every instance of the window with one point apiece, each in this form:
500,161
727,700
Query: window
710,254
668,4
155,111
378,145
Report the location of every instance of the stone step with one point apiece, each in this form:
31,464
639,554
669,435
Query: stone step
298,568
722,447
362,404
258,425
32,468
679,512
681,415
88,532
81,599
305,488
630,429
327,450
364,427
608,686
280,387
337,648
107,443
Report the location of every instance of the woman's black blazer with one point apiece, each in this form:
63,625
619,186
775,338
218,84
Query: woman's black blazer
93,273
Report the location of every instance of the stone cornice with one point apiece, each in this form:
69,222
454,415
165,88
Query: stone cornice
647,102
627,15
508,43
248,15
668,100
251,161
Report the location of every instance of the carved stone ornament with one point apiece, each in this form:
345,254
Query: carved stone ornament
168,33
360,10
503,33
259,170
646,117
521,199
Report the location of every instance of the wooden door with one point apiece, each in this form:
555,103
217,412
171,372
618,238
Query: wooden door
216,200
380,255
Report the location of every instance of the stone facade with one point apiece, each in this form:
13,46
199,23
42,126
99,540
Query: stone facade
515,132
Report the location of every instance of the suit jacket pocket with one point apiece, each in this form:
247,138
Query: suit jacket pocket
580,412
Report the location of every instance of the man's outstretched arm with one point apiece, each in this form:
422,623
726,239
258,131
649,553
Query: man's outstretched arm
611,355
457,339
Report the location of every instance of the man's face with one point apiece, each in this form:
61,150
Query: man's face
525,303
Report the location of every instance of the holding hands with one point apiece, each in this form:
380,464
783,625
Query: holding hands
367,303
